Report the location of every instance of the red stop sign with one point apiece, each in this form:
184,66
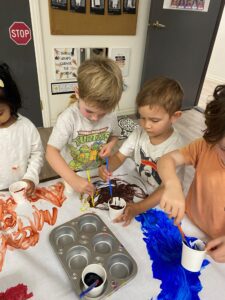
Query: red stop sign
20,33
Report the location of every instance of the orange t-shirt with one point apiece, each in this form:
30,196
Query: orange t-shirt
205,202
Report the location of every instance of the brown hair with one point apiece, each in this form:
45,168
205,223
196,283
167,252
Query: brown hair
161,91
215,116
100,83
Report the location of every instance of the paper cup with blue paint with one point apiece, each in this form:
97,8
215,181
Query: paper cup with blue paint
193,255
94,273
18,191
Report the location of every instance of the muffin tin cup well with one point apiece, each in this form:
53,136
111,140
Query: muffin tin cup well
87,240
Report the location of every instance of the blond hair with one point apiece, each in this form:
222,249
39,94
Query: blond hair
161,91
100,83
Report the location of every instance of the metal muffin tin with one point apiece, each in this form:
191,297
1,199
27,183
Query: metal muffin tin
86,240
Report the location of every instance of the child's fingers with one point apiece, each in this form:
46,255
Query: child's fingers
168,208
127,221
179,216
217,254
213,244
118,219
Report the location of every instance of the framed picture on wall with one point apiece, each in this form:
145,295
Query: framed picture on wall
66,63
196,5
129,6
78,6
114,7
122,58
97,7
60,4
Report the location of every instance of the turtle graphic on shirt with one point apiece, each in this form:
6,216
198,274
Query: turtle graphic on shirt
85,157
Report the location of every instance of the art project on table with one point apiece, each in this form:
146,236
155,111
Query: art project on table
128,187
164,244
20,224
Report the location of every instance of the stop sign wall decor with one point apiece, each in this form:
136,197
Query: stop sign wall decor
20,33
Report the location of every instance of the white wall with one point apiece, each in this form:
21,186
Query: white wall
57,103
216,68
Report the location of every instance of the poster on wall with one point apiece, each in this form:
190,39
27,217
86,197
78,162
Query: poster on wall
122,58
60,4
189,5
78,6
97,7
63,87
129,6
65,63
114,7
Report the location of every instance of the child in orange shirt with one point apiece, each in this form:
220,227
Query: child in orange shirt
205,202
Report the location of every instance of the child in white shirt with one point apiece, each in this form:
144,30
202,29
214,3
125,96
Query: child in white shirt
21,148
86,132
159,103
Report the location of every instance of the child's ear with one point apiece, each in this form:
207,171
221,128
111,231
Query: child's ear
176,116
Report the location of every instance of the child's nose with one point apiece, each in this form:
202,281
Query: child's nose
148,124
94,117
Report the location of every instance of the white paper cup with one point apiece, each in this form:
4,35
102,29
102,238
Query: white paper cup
99,270
18,191
192,259
114,210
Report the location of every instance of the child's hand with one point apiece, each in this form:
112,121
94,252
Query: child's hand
173,203
30,187
81,185
129,213
105,150
104,173
216,249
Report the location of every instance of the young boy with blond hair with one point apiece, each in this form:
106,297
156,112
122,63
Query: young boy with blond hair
159,104
87,130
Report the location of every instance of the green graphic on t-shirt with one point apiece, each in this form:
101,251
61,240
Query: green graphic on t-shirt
85,149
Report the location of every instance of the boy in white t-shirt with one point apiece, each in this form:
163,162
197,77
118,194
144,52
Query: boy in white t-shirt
159,103
86,132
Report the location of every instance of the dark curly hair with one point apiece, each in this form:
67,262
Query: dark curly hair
9,93
215,116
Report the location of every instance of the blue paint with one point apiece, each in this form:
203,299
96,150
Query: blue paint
164,245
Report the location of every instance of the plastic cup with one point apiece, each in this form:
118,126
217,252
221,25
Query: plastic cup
100,271
18,191
192,259
116,207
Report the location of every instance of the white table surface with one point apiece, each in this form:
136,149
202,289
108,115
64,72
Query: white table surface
39,268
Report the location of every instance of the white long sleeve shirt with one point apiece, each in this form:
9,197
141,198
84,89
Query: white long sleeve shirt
21,153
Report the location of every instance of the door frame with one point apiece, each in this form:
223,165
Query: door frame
40,61
202,80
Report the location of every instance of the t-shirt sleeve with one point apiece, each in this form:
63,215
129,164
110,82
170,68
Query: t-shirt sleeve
62,131
192,151
128,146
116,131
35,161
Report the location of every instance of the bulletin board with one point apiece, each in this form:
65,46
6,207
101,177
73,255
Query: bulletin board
67,22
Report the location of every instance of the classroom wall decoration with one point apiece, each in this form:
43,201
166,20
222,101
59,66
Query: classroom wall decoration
93,17
78,6
122,57
66,63
189,5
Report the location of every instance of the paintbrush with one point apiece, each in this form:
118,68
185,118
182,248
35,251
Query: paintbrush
93,285
89,180
109,181
182,234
